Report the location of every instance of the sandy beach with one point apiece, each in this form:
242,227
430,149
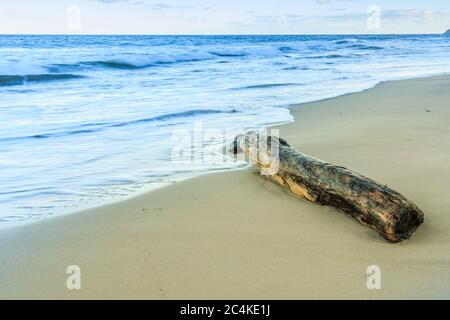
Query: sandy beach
236,235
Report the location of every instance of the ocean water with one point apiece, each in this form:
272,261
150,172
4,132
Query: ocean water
85,120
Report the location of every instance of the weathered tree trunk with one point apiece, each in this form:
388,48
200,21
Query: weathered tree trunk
372,204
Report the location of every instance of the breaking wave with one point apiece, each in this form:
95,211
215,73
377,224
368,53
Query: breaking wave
138,62
14,80
268,85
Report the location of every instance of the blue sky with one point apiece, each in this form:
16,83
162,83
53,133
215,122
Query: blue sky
223,17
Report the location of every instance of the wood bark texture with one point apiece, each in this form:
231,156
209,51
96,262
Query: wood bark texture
388,212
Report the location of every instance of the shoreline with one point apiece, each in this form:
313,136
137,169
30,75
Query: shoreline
161,185
234,235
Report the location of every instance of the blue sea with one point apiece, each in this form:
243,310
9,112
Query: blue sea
86,120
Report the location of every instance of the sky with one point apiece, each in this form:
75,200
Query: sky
224,16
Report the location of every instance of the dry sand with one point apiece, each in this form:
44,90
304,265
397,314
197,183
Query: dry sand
238,236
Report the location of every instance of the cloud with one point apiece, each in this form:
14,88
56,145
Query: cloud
412,14
116,1
151,5
160,6
341,16
110,1
329,1
163,6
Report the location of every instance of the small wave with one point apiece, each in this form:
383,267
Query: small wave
296,68
115,64
96,127
139,62
164,117
330,56
287,49
343,42
365,47
64,67
13,80
228,54
268,85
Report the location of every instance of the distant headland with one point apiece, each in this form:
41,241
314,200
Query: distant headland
447,33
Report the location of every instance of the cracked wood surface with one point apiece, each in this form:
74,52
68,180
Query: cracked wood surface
388,212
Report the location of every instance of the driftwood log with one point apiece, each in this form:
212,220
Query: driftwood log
374,205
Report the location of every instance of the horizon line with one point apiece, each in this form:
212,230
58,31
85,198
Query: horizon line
218,34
